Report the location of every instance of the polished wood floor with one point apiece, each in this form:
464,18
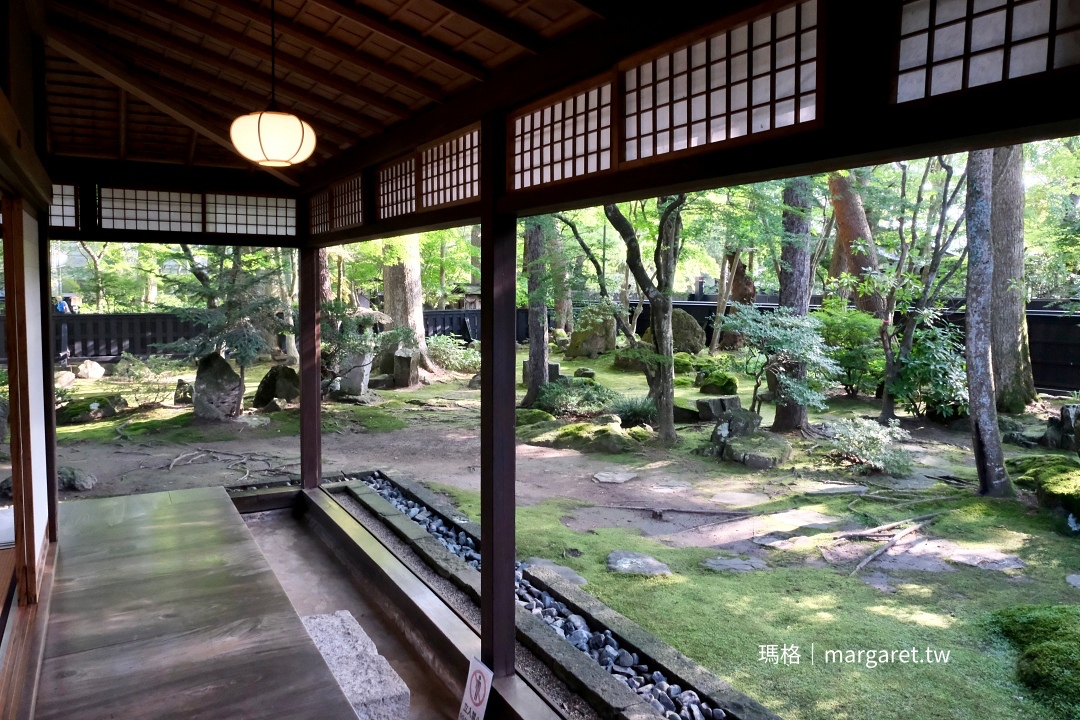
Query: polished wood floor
164,607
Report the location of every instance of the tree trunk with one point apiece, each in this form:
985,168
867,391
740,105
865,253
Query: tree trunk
533,267
326,286
989,459
402,291
200,274
560,285
1013,380
340,260
475,257
854,251
795,279
442,276
741,289
662,386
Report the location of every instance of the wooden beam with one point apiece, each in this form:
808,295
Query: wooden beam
19,163
213,59
92,59
123,124
497,23
335,48
406,36
498,460
192,147
161,176
310,370
48,389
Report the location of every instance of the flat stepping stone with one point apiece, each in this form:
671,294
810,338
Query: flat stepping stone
562,571
838,490
800,518
740,499
878,581
670,486
633,563
798,542
1073,580
735,564
372,687
614,478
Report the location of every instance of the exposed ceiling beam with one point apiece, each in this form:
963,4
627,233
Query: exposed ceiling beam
237,69
200,53
88,55
406,36
123,123
497,23
335,48
192,147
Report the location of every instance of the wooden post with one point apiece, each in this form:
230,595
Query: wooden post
498,291
310,370
47,355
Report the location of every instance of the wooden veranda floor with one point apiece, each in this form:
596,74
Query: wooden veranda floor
164,607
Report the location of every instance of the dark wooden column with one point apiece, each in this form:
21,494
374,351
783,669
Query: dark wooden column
310,375
498,291
47,355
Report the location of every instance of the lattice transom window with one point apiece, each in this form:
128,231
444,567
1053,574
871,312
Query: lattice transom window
319,212
566,139
64,211
450,170
123,209
345,204
950,45
750,79
397,189
250,214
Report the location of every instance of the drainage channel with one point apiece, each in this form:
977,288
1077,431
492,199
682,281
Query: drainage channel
670,700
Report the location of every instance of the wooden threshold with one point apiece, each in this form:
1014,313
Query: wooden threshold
21,669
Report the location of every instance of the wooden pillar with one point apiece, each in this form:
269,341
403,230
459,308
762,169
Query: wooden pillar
310,370
498,291
48,352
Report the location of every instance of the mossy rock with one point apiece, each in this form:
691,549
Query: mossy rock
1026,625
687,335
720,383
532,416
641,433
1052,669
581,436
684,363
628,361
89,409
760,451
1054,478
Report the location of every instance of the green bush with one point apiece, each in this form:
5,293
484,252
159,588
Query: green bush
150,381
720,383
871,446
635,411
450,353
575,397
1048,637
854,344
932,382
684,363
684,382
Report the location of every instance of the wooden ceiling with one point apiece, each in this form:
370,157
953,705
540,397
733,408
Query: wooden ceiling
160,80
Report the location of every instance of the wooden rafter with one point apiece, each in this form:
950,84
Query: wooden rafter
87,55
497,23
406,36
198,52
122,110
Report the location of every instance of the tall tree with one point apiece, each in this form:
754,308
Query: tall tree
658,288
533,267
94,258
1013,381
560,282
475,254
402,290
795,279
989,458
854,252
326,285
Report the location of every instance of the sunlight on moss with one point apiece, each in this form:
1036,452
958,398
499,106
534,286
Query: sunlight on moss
910,615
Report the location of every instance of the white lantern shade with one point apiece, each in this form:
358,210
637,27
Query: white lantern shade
273,139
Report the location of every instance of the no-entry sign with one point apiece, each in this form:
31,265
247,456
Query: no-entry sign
477,689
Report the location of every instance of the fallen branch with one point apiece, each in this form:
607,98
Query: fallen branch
889,526
120,431
180,457
932,499
881,550
678,510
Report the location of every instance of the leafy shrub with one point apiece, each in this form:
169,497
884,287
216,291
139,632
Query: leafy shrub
855,345
684,363
720,383
450,353
148,381
932,382
684,382
578,397
3,382
709,364
1048,637
634,411
871,446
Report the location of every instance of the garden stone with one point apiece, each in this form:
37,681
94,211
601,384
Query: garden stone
839,490
684,415
594,337
561,570
633,563
64,379
584,372
760,451
406,368
217,389
280,383
381,382
554,372
1073,580
358,378
474,382
713,408
183,393
687,335
270,407
89,409
68,478
90,370
734,423
735,564
614,478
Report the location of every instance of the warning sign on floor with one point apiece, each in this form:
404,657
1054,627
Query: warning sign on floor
477,689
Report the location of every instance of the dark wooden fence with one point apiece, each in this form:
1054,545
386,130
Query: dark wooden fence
1054,335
